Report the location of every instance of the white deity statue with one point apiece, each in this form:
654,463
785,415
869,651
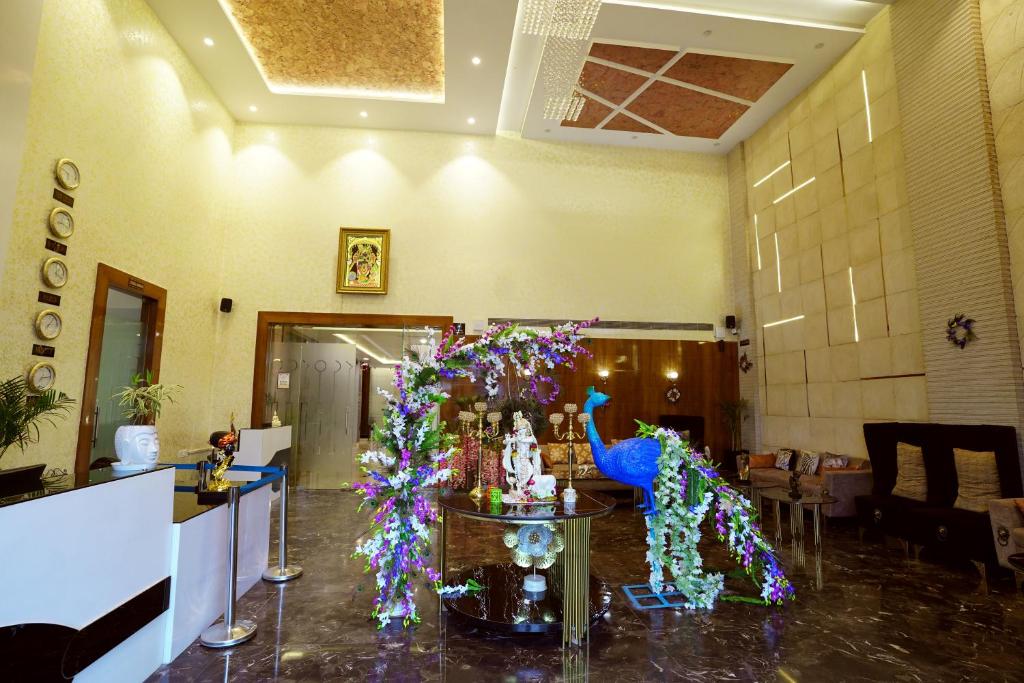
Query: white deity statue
522,464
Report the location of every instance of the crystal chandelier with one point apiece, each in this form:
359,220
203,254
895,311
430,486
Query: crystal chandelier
560,69
573,19
566,26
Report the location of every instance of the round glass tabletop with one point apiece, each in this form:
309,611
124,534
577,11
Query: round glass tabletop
588,504
782,494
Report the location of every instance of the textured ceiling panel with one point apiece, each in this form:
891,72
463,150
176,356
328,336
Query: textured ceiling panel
746,78
623,122
373,48
593,113
613,85
644,58
686,112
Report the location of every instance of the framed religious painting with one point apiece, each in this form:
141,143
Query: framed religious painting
363,260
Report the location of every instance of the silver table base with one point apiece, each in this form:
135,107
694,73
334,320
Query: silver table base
219,635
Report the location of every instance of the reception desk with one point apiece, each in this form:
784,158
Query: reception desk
107,579
86,578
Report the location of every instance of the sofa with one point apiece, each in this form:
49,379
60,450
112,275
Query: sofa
844,483
935,523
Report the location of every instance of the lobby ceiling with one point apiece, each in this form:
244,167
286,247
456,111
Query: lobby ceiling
350,63
694,75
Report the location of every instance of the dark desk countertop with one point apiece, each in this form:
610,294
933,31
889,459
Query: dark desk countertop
95,478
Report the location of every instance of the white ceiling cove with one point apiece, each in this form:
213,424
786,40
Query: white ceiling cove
504,93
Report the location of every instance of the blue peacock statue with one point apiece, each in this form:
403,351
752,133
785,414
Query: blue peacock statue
632,461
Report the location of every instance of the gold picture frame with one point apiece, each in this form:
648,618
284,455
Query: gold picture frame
363,260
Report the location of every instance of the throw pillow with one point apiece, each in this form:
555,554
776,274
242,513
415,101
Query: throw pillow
583,454
911,481
978,477
1019,502
808,463
760,460
558,452
835,461
782,458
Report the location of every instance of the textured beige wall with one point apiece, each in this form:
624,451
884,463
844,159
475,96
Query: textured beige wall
175,193
114,92
960,243
1003,33
823,376
481,226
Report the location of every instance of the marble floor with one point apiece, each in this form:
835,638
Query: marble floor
876,617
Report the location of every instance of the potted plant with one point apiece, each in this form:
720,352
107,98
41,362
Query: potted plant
136,443
21,412
733,415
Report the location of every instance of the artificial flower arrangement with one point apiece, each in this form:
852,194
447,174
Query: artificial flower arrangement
687,487
416,451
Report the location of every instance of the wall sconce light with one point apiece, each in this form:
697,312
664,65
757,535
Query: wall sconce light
603,374
672,375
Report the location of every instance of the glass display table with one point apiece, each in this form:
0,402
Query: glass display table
779,495
573,599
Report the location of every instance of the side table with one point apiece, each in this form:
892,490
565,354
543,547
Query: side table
573,600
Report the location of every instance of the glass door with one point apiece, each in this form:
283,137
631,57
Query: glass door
324,381
122,356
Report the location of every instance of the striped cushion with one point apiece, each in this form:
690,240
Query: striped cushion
910,477
978,478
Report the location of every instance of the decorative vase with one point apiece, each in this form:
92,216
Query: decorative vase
137,447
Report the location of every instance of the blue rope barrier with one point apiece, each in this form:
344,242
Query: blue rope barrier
275,473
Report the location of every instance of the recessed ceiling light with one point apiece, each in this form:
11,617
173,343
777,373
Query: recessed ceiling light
635,137
707,33
471,120
717,144
819,46
547,130
476,61
208,42
253,108
363,114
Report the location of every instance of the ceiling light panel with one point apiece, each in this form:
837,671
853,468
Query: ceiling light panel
345,49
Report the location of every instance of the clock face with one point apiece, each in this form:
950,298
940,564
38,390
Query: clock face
42,377
49,324
67,174
62,223
55,272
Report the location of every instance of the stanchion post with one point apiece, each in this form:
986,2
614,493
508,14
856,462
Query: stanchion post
283,571
229,632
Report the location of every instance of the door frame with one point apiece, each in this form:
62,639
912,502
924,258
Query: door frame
153,309
265,319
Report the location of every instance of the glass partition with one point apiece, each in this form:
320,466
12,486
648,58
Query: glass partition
323,382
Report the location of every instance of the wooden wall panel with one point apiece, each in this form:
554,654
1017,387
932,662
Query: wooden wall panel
637,385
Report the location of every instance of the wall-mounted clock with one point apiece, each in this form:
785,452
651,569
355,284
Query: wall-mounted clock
49,324
67,174
42,377
62,223
55,272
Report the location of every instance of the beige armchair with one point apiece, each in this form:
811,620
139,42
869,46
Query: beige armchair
1007,516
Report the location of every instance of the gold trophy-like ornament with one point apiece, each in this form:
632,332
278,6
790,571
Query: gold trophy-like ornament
482,433
556,419
224,445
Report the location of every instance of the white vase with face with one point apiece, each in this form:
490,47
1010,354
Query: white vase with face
137,447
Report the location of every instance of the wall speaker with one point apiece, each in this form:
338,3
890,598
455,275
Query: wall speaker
730,322
225,305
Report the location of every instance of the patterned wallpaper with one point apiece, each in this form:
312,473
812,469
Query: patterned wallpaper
481,227
114,92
